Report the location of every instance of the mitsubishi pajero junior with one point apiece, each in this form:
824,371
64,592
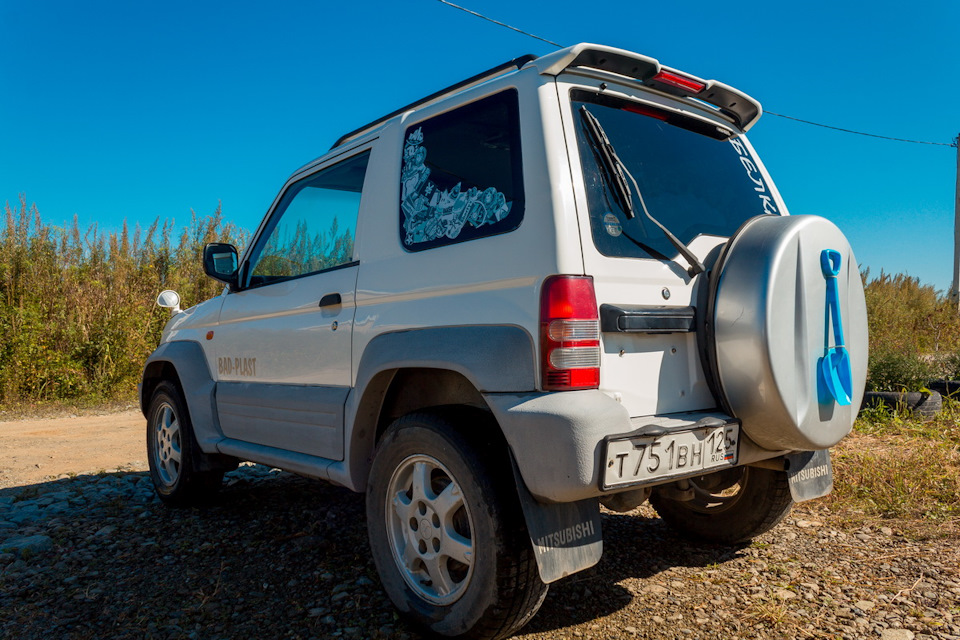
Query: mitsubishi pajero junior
566,282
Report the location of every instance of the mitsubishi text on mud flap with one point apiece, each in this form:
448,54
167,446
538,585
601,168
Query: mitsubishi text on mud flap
565,282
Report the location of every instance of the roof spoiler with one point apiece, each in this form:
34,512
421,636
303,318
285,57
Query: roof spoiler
734,105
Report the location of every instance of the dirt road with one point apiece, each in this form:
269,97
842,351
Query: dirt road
35,450
280,556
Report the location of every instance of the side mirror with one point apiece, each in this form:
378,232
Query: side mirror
220,262
169,300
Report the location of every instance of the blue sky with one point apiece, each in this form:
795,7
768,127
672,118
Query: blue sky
119,110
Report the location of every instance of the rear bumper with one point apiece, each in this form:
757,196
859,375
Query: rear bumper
557,439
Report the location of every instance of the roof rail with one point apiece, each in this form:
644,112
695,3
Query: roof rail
498,70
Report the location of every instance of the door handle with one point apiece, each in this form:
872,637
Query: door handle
330,300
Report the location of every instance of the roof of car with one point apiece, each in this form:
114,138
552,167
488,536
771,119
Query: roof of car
734,105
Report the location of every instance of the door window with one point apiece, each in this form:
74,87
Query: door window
314,226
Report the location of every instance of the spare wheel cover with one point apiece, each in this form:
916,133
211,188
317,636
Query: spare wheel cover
771,331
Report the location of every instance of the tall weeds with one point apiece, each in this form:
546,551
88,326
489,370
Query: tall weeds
77,312
914,333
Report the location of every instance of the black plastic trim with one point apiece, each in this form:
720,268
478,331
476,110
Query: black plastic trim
644,319
510,65
331,299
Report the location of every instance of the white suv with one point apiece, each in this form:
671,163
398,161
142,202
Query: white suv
566,282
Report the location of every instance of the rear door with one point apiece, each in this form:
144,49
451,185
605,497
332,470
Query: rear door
696,179
283,344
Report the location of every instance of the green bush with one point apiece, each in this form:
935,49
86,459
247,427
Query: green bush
77,312
914,333
895,371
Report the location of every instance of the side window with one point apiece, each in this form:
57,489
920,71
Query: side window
461,176
313,227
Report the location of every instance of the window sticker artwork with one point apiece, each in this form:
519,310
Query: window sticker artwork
430,212
461,174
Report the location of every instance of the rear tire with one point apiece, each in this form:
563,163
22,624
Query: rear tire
446,530
729,507
172,451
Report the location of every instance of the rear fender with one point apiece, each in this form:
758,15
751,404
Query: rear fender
491,358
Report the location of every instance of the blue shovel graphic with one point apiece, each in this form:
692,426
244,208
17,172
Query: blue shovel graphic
833,369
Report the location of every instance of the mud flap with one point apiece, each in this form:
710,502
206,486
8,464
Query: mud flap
810,474
566,537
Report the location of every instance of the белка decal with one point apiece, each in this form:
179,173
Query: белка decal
754,174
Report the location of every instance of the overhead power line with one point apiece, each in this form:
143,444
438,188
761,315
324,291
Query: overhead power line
861,133
779,115
497,22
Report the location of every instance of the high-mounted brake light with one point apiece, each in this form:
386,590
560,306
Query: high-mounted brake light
679,82
569,334
644,111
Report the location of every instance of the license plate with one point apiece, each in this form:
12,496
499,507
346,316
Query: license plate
644,459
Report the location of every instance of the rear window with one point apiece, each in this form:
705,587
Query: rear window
693,179
461,176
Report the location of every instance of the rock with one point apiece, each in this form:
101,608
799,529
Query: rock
26,513
806,524
784,594
61,506
864,605
896,634
631,630
27,545
655,589
887,531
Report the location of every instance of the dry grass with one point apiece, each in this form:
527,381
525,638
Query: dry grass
901,471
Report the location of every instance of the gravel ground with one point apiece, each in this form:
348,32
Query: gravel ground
279,556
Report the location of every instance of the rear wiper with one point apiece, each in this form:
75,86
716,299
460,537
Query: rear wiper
614,169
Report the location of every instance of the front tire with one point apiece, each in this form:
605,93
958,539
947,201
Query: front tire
446,530
728,507
172,451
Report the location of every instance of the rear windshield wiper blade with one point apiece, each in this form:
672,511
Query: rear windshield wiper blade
615,170
609,162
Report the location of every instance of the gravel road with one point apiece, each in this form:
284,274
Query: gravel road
279,556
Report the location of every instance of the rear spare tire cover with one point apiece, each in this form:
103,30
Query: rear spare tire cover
772,331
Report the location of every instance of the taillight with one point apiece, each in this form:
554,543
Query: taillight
679,82
569,334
